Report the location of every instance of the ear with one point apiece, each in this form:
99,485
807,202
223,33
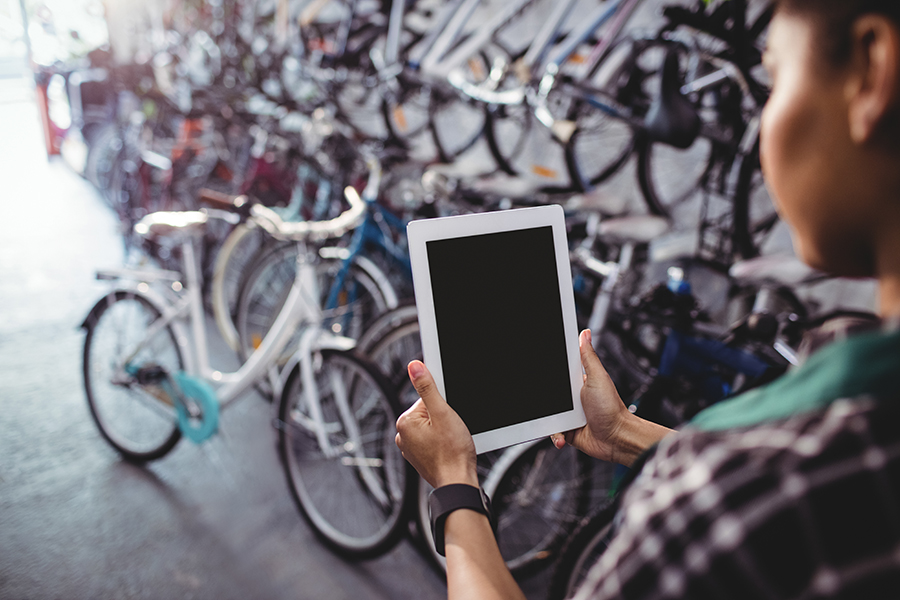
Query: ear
875,42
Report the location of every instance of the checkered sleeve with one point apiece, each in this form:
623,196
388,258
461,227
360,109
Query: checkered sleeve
803,508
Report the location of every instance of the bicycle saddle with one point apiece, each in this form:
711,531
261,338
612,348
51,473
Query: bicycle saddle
778,269
635,229
672,118
164,224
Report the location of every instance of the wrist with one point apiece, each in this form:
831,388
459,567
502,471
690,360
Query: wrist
452,499
464,475
633,437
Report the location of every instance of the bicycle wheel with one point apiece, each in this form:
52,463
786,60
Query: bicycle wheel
456,121
603,109
507,133
589,540
537,501
404,107
599,146
358,300
355,492
359,101
134,414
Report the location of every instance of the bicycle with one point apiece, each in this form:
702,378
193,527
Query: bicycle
148,381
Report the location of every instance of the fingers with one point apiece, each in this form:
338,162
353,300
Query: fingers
559,440
424,383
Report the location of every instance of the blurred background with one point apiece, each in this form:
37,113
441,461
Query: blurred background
639,117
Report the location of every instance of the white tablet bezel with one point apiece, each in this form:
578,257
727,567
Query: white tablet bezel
420,232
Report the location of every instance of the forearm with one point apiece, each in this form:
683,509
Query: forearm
475,568
634,437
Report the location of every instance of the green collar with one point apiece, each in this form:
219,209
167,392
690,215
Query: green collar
867,364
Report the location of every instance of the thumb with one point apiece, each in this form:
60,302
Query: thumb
589,359
593,368
426,388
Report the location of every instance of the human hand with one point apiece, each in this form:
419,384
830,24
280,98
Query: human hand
433,437
606,414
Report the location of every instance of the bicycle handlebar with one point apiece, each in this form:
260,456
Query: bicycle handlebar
311,230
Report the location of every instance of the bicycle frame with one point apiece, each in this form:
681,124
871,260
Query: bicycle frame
370,232
189,306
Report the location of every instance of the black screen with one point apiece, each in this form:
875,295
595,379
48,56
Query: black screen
500,327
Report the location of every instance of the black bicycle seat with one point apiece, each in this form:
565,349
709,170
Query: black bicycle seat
672,119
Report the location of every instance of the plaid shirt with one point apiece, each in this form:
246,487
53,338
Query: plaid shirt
802,507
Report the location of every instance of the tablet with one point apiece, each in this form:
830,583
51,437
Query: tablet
497,320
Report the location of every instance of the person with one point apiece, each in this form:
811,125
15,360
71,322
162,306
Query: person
791,490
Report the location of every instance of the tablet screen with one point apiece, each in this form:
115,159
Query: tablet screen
500,327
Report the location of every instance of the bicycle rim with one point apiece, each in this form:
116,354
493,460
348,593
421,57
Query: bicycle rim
137,420
355,499
672,179
358,300
599,146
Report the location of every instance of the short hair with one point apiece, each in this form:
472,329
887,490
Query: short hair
835,18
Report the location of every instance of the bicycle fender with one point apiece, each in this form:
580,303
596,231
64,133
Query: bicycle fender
125,288
327,341
380,279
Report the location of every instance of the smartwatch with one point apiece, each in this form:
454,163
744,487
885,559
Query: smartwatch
445,499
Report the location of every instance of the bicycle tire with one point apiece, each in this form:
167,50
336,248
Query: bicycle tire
588,541
599,146
344,509
456,123
128,414
404,107
681,173
754,214
102,159
537,502
506,132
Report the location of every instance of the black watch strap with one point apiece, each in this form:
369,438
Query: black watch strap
445,499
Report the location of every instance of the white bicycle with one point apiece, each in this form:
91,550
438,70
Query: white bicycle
149,382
